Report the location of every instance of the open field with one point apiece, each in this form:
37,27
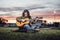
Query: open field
43,34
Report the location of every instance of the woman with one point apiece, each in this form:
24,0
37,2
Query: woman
26,27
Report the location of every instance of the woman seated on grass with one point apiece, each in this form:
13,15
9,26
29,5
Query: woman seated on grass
26,27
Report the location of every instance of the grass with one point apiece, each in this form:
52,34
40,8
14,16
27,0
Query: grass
43,34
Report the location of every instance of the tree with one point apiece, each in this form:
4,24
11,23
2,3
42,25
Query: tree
3,21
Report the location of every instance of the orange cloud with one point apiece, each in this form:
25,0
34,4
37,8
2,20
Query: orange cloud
49,16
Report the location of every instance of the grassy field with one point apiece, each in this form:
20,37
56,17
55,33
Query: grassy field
43,34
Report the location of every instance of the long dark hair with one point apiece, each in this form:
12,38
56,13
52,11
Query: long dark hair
28,13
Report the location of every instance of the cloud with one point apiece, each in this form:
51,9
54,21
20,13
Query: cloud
34,5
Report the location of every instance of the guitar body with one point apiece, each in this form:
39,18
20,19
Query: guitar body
22,22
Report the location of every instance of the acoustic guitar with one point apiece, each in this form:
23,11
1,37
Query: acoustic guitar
22,22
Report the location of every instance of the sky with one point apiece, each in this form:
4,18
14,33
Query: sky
39,6
48,4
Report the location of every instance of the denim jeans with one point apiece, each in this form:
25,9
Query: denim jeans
33,26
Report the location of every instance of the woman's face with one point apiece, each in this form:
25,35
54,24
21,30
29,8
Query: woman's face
26,14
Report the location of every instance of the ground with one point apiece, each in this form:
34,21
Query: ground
43,34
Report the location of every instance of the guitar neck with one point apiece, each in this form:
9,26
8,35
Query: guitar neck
34,20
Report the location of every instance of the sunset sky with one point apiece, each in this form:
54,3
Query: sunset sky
10,9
